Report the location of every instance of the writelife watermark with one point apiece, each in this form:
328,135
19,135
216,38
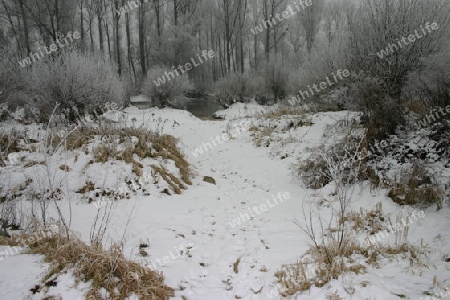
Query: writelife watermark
184,68
237,129
281,17
50,49
436,113
259,209
131,5
24,242
405,41
340,74
87,119
399,226
62,133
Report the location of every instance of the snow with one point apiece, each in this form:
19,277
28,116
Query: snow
245,176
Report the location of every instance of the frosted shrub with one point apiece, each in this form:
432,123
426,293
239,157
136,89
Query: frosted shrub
163,88
10,71
231,88
368,34
432,82
78,80
276,77
382,114
236,86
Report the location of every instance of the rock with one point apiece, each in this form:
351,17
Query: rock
209,179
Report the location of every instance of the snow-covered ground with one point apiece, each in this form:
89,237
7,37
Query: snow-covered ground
205,254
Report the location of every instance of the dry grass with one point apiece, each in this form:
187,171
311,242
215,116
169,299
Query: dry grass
9,143
107,269
65,168
88,187
33,163
264,135
275,114
369,221
236,265
174,182
331,261
335,255
120,144
75,139
417,107
418,190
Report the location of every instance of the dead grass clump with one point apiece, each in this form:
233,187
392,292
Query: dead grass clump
338,251
417,190
166,147
88,187
10,142
262,137
318,169
64,168
107,269
275,114
173,181
369,221
103,153
148,144
33,163
71,139
417,107
236,265
266,133
313,172
331,260
293,278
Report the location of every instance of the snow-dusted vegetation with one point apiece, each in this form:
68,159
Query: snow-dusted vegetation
325,174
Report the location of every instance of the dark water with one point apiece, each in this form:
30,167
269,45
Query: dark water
142,105
199,107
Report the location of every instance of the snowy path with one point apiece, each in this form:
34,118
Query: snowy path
245,176
232,256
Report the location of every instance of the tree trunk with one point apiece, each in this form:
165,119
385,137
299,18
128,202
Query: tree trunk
91,35
116,19
108,38
16,36
175,12
142,38
25,26
158,21
100,32
129,55
82,24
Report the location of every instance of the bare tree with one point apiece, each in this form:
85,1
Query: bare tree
310,18
381,24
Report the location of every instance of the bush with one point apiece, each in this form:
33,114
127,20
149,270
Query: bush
321,63
235,87
382,113
417,188
432,82
342,162
376,23
75,79
11,74
276,78
161,89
